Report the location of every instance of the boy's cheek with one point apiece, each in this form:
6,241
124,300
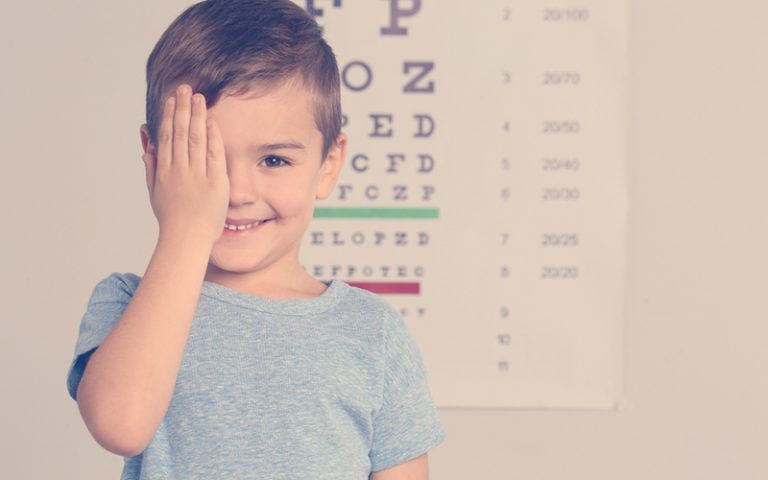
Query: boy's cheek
295,198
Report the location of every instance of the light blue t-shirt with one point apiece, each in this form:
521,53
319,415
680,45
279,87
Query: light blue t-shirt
330,387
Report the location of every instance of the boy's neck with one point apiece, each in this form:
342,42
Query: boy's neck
296,283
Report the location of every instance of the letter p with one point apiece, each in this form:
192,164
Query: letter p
396,12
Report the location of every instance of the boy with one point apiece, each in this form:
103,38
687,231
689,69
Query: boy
226,360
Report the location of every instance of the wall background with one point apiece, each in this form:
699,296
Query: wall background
528,324
696,387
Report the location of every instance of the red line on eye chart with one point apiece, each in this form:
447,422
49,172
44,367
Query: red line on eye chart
390,288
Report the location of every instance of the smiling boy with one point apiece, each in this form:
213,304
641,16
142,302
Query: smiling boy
226,360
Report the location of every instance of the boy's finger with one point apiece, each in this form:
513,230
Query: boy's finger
197,134
217,162
165,136
181,126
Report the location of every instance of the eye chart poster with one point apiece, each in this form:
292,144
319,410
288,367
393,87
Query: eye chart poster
484,192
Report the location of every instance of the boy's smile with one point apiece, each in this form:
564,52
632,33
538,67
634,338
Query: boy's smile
241,227
273,152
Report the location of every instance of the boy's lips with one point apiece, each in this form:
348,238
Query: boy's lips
241,225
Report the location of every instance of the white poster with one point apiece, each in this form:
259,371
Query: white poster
484,192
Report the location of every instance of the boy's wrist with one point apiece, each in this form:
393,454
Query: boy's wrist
185,243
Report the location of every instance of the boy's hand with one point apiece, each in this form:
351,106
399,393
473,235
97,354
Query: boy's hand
187,179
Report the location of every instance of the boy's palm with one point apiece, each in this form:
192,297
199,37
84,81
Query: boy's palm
187,173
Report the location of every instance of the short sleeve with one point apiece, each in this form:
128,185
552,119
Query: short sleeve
407,425
106,305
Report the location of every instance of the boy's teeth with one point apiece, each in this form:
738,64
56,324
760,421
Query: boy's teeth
240,227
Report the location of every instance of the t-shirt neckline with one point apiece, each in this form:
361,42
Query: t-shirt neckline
283,306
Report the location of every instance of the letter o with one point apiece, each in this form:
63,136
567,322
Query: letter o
368,76
358,238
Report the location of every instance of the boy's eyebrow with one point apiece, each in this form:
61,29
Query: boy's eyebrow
280,146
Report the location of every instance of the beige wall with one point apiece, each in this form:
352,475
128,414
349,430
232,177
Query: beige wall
74,210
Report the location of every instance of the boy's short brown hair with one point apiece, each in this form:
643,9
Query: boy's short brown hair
229,46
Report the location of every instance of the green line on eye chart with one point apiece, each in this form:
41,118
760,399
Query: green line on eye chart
400,213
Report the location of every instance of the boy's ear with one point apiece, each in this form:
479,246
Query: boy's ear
144,134
331,167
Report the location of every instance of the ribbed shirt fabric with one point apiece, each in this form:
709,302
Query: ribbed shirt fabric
329,387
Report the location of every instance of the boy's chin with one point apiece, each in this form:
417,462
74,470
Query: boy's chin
224,263
226,258
221,266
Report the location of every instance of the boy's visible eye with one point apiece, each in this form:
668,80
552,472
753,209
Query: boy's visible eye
273,161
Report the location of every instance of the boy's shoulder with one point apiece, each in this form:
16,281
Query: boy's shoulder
116,285
128,279
361,296
372,305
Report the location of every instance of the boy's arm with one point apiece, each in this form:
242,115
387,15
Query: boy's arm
129,380
416,469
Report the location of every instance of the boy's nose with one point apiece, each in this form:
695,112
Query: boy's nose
242,188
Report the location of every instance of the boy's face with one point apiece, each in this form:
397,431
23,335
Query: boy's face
276,171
